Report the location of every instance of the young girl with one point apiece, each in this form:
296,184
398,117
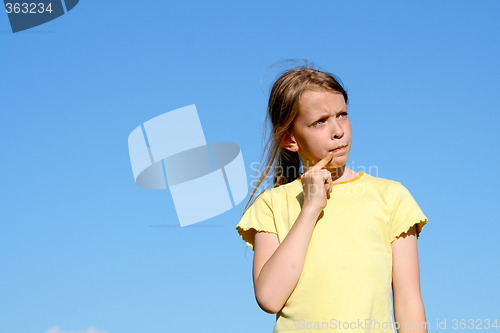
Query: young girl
328,243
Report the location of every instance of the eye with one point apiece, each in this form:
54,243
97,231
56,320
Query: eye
343,114
319,122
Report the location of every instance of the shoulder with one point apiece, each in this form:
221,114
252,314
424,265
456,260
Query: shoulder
396,195
282,191
384,185
276,194
389,190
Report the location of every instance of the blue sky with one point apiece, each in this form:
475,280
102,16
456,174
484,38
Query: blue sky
83,249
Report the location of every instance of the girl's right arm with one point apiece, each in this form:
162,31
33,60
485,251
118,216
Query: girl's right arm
277,267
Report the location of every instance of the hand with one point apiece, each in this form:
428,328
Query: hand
317,183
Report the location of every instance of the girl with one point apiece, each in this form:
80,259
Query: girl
328,243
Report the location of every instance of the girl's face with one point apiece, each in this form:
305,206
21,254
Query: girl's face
322,125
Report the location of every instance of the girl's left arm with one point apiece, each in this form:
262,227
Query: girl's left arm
408,306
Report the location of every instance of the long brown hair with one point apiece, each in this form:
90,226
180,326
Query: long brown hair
282,110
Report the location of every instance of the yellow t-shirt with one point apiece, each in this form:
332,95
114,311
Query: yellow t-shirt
345,285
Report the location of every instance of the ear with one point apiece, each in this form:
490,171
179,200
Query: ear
288,142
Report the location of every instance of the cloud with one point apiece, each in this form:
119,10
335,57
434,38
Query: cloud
56,329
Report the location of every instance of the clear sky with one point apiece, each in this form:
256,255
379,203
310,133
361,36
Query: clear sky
83,249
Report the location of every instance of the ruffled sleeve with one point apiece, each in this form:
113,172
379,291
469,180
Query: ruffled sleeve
405,212
258,217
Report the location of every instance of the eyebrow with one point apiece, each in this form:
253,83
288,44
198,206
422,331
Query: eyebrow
324,114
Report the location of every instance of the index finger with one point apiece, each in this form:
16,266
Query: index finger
324,161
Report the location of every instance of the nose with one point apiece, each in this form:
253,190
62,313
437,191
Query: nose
337,130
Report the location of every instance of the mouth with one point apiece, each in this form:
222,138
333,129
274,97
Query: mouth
341,148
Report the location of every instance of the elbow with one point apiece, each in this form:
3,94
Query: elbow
267,303
268,307
413,308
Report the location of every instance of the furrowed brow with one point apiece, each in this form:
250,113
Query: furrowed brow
326,114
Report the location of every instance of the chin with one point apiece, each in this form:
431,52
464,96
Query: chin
339,162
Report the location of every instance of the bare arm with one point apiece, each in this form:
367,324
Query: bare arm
277,267
409,309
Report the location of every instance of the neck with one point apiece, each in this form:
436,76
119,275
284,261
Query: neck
339,174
